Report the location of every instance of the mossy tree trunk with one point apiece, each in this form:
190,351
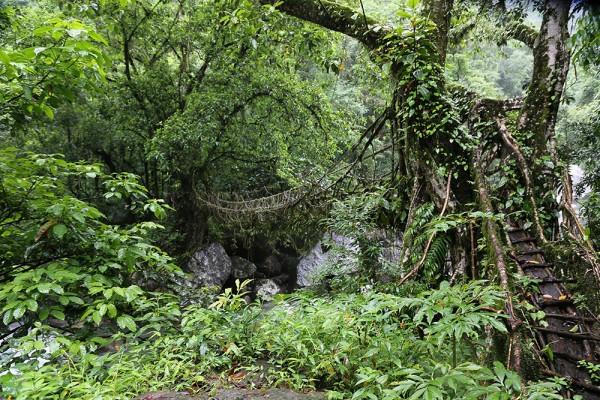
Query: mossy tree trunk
433,147
538,115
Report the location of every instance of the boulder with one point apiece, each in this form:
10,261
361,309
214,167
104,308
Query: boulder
310,266
267,288
334,255
343,252
210,266
289,263
271,266
390,251
242,268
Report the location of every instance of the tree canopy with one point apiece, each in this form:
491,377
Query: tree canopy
168,166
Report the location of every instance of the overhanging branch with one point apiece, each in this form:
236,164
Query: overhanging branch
511,21
522,33
335,17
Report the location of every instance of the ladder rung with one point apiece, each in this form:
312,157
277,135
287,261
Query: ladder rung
581,336
570,317
574,382
528,239
531,252
570,357
550,303
556,280
527,265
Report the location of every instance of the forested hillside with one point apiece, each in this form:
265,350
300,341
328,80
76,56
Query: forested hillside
299,199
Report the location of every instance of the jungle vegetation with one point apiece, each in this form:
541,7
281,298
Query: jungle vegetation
126,124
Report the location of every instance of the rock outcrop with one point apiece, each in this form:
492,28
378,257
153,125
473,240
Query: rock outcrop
266,289
336,254
271,266
332,251
210,266
310,266
242,268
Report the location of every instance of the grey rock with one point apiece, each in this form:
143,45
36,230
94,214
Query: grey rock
271,266
282,280
210,266
266,289
310,266
339,257
390,251
344,252
242,268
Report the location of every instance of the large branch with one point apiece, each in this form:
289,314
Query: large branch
522,33
514,28
335,17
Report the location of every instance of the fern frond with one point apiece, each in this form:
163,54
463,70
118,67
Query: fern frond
436,258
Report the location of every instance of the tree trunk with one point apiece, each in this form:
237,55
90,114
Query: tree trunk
550,67
440,11
431,150
539,113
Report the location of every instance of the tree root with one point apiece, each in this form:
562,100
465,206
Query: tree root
513,146
431,237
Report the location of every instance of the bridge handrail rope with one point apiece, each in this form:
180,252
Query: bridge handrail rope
259,205
290,197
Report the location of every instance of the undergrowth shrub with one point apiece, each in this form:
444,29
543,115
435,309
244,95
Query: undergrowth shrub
361,346
60,257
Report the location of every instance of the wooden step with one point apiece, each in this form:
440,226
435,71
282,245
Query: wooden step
531,252
578,336
555,280
571,347
574,382
570,317
528,239
555,303
527,265
570,357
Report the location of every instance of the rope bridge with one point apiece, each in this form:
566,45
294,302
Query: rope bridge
238,204
231,204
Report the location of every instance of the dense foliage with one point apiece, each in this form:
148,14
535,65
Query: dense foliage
362,346
133,132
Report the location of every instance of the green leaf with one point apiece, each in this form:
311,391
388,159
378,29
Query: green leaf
44,287
48,111
96,317
7,317
57,314
43,314
125,321
112,310
76,300
19,311
413,3
102,310
59,230
31,305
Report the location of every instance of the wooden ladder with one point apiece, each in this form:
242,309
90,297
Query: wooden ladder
569,334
